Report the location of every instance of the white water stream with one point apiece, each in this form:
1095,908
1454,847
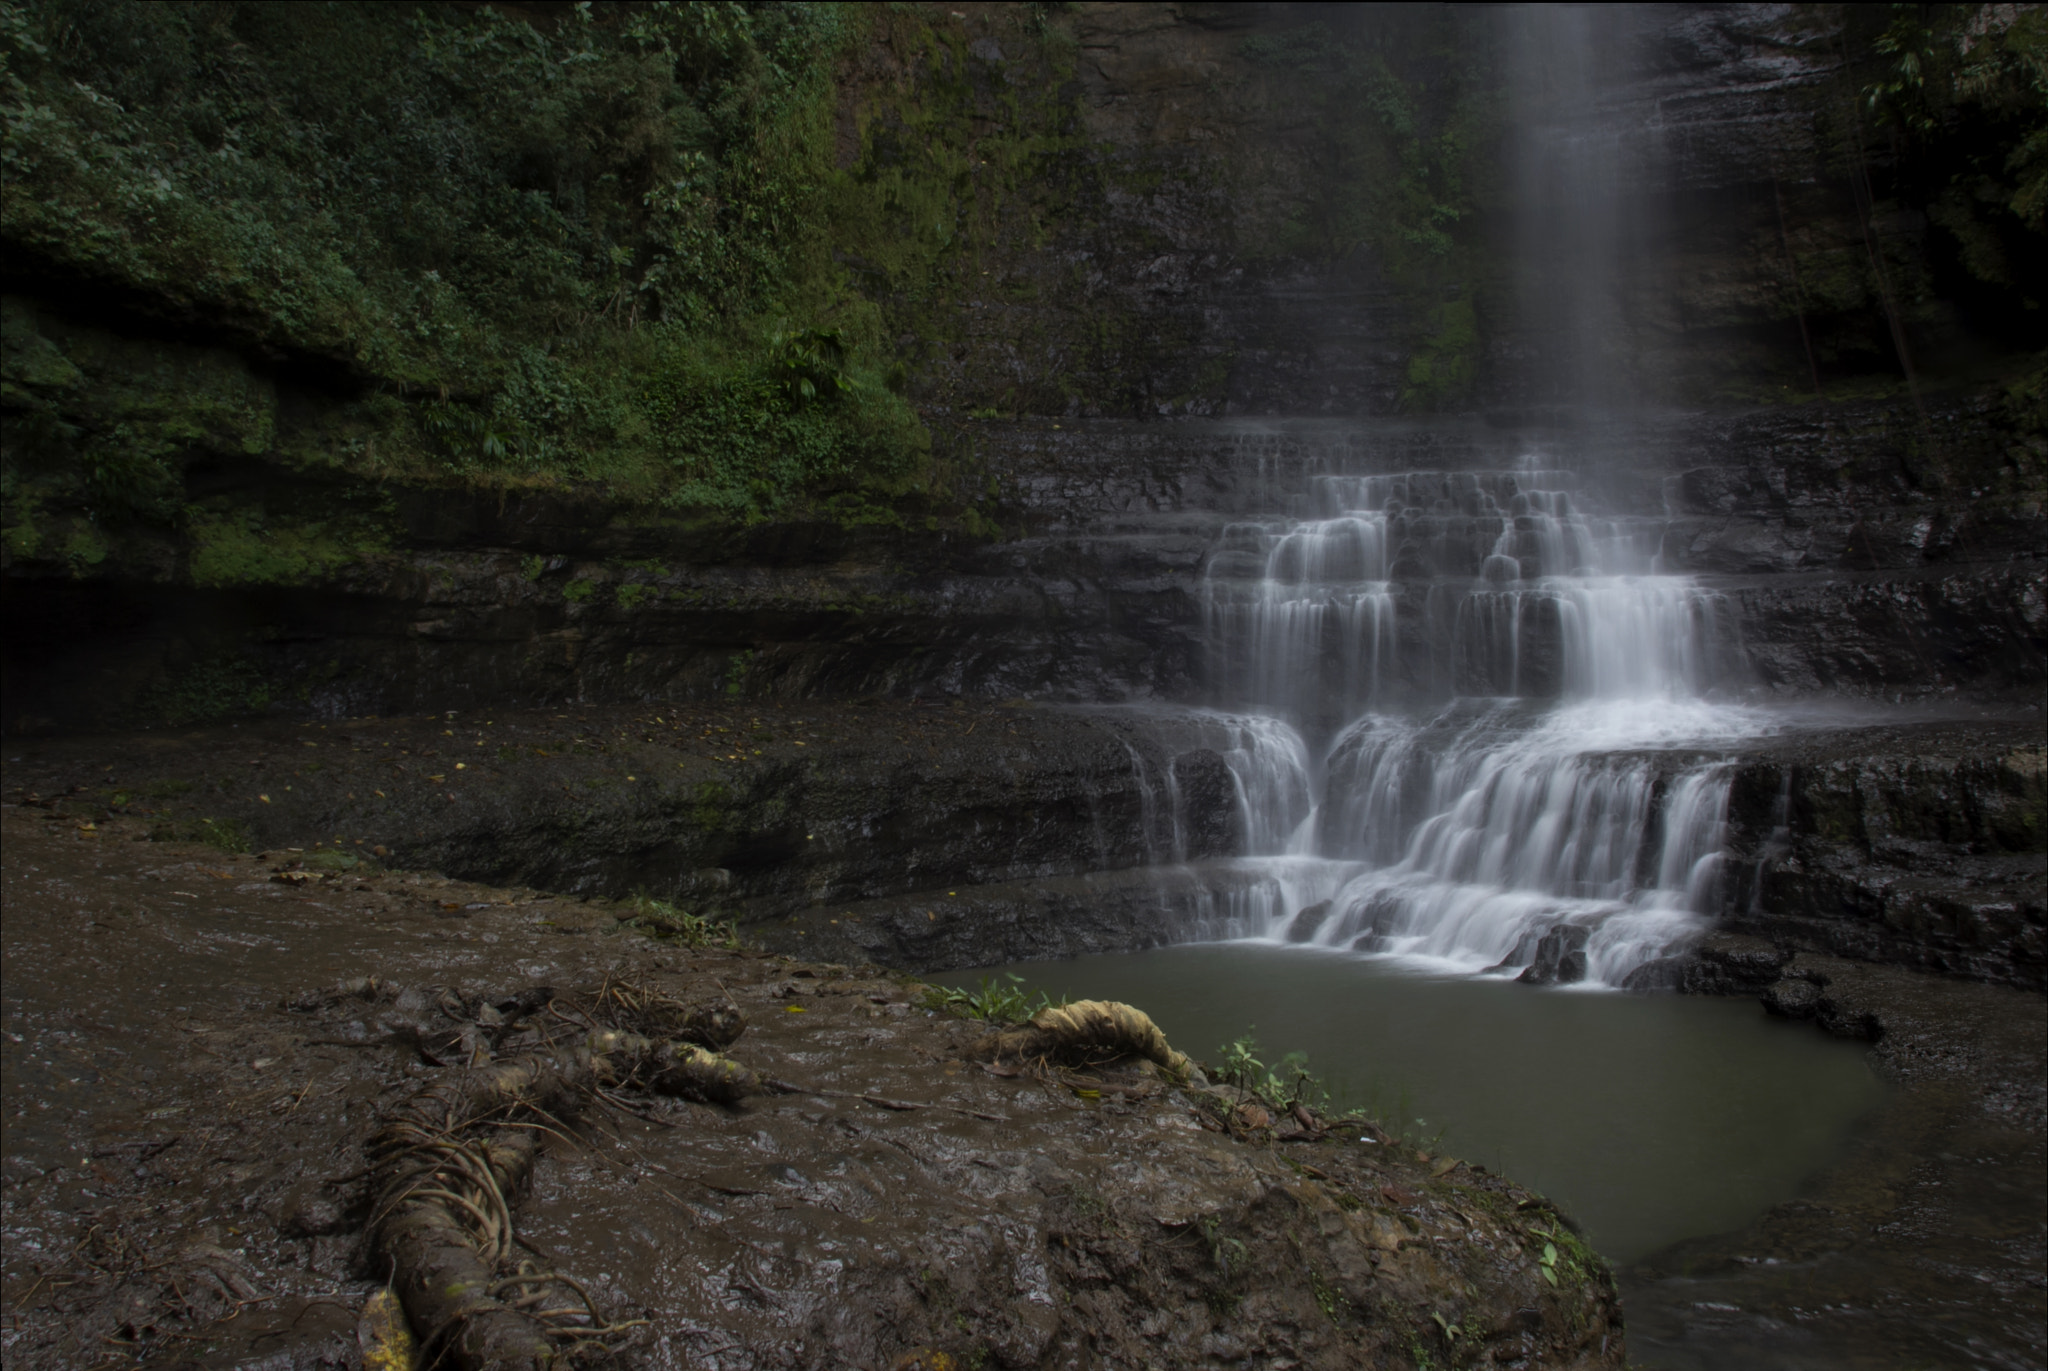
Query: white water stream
1472,724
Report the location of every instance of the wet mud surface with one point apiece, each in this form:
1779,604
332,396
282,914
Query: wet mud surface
184,1154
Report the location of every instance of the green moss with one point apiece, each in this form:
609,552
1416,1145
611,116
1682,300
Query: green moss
85,547
225,834
1442,369
22,537
214,688
244,548
579,590
713,806
30,364
631,593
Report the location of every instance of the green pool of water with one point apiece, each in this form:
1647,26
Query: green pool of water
1648,1118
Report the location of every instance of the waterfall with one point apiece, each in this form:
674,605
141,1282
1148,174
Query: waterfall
1469,714
1513,712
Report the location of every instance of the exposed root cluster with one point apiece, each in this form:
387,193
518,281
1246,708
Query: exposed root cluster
1085,1032
448,1163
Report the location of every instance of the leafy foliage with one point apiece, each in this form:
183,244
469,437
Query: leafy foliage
577,249
667,922
994,1000
1290,1085
1962,91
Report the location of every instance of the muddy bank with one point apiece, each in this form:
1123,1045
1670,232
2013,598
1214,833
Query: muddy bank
184,1156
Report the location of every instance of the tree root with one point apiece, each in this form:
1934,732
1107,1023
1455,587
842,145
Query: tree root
1086,1029
442,1220
708,1023
446,1164
672,1068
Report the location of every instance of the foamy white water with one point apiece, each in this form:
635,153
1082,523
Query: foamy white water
1520,765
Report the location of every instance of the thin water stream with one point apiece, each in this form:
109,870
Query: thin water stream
1650,1119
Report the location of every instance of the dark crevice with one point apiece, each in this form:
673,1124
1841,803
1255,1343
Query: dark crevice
134,313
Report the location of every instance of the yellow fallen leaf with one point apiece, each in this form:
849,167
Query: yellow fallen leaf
792,1009
264,798
462,766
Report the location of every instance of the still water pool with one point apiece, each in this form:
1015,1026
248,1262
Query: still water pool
1648,1118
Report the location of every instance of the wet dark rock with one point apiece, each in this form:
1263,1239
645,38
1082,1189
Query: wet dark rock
1920,844
1560,957
758,813
1724,963
1793,998
1661,975
1204,795
1308,922
1036,920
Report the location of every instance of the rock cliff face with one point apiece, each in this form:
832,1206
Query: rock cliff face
1917,846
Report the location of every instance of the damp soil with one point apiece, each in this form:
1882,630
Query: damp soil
184,1154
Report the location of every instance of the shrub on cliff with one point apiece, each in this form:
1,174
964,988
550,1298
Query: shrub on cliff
557,251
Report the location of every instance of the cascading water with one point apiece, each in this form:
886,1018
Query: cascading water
1510,701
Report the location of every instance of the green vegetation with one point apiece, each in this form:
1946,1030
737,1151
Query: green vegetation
1401,164
659,919
1564,1256
1962,92
1292,1084
585,251
213,688
698,257
688,255
225,834
1938,111
245,548
1441,371
993,1000
1393,156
